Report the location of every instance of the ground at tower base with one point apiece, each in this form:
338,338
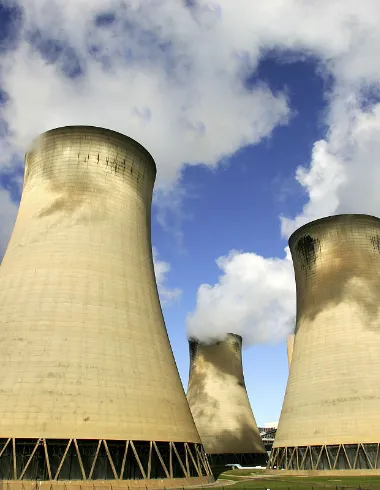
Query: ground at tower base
257,479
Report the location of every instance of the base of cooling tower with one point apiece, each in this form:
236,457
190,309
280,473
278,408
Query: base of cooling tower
219,462
347,458
102,463
105,484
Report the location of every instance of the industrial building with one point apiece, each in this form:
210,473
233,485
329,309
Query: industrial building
220,406
89,388
268,435
330,415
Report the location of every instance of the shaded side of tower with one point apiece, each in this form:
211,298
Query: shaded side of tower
329,419
220,406
89,388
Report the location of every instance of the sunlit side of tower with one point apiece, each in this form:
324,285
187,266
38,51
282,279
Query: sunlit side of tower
290,346
220,406
89,389
330,415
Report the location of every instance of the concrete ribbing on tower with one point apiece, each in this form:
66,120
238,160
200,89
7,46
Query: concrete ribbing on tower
85,352
219,403
290,346
330,414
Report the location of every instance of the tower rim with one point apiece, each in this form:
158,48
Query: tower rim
335,217
215,341
89,128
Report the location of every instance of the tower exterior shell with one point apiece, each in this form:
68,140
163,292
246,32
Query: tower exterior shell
220,406
290,346
330,415
87,369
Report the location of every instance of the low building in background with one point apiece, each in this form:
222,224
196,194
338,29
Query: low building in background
268,435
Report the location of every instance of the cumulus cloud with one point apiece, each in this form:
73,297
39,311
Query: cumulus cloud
343,174
157,71
254,297
161,269
171,75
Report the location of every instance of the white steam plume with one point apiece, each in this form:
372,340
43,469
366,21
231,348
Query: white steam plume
254,298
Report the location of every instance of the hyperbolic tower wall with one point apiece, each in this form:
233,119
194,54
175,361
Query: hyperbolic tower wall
330,416
89,388
290,346
220,406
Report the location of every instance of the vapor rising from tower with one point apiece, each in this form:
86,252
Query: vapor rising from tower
219,403
330,415
89,388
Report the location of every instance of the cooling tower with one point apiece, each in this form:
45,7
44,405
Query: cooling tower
89,389
330,415
219,403
290,345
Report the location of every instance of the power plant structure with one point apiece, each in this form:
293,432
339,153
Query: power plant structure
330,415
220,406
290,346
89,388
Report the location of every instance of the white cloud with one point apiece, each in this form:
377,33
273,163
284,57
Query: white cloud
157,74
254,297
161,269
344,173
321,182
171,77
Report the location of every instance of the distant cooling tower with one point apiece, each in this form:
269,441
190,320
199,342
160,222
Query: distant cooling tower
330,416
89,388
219,403
290,346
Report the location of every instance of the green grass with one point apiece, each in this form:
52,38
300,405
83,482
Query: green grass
237,474
250,479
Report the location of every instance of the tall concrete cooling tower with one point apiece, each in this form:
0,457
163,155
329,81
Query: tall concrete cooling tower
330,416
89,388
219,403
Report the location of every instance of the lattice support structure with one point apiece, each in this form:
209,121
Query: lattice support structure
88,460
326,457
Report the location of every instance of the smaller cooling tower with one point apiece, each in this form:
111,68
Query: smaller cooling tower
290,345
219,403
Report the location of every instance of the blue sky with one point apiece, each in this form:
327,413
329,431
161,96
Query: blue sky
260,118
237,207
